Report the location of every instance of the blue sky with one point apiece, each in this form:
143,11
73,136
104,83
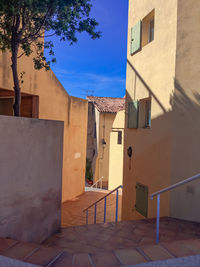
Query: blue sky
96,67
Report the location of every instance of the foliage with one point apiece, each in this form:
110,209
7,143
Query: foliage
25,26
88,173
25,22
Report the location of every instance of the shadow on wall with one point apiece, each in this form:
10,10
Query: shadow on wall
164,154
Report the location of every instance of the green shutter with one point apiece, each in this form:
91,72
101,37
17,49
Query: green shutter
136,37
133,113
142,199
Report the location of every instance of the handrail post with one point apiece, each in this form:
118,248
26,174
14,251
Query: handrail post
95,213
104,210
158,219
116,212
86,216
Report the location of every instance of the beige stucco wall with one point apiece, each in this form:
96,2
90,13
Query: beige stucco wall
105,127
150,72
110,154
116,152
186,112
31,178
56,104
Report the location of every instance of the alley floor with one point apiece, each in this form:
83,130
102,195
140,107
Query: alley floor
111,245
72,210
126,234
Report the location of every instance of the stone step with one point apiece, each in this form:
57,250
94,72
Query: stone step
57,257
126,234
112,244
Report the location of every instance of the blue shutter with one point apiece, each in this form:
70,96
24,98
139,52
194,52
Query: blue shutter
133,113
136,37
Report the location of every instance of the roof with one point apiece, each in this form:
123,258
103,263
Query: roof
107,104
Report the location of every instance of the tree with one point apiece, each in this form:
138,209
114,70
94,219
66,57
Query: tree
25,23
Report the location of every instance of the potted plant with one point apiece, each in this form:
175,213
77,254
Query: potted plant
88,173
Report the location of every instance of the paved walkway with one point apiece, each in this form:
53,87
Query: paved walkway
126,234
109,245
72,210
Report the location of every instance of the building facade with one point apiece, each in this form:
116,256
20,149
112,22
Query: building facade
162,108
106,139
44,97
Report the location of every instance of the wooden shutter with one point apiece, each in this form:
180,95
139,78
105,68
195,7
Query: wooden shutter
142,199
133,113
136,38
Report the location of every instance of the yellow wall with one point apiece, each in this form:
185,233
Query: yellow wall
186,113
116,152
109,162
56,104
150,73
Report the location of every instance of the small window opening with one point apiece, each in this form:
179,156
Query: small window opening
145,113
151,30
148,114
119,138
148,28
95,131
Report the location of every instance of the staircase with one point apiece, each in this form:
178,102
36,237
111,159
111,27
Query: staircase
110,245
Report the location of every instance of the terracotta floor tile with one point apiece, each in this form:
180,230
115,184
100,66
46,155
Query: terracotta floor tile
178,248
146,240
20,250
129,256
43,256
193,244
6,243
82,260
105,259
126,234
65,260
156,252
72,210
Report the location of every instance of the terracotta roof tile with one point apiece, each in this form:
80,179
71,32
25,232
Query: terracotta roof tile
107,104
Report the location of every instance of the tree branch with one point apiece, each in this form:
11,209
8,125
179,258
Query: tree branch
21,55
36,34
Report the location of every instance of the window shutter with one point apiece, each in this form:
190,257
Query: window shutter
136,37
133,112
142,199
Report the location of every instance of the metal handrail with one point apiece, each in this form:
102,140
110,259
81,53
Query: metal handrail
188,180
95,184
105,201
169,188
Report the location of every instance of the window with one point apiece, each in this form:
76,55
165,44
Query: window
148,113
142,33
151,30
145,113
139,113
119,138
148,28
95,131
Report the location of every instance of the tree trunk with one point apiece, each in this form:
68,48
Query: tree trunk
17,104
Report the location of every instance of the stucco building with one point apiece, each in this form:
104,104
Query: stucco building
105,139
44,97
162,125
